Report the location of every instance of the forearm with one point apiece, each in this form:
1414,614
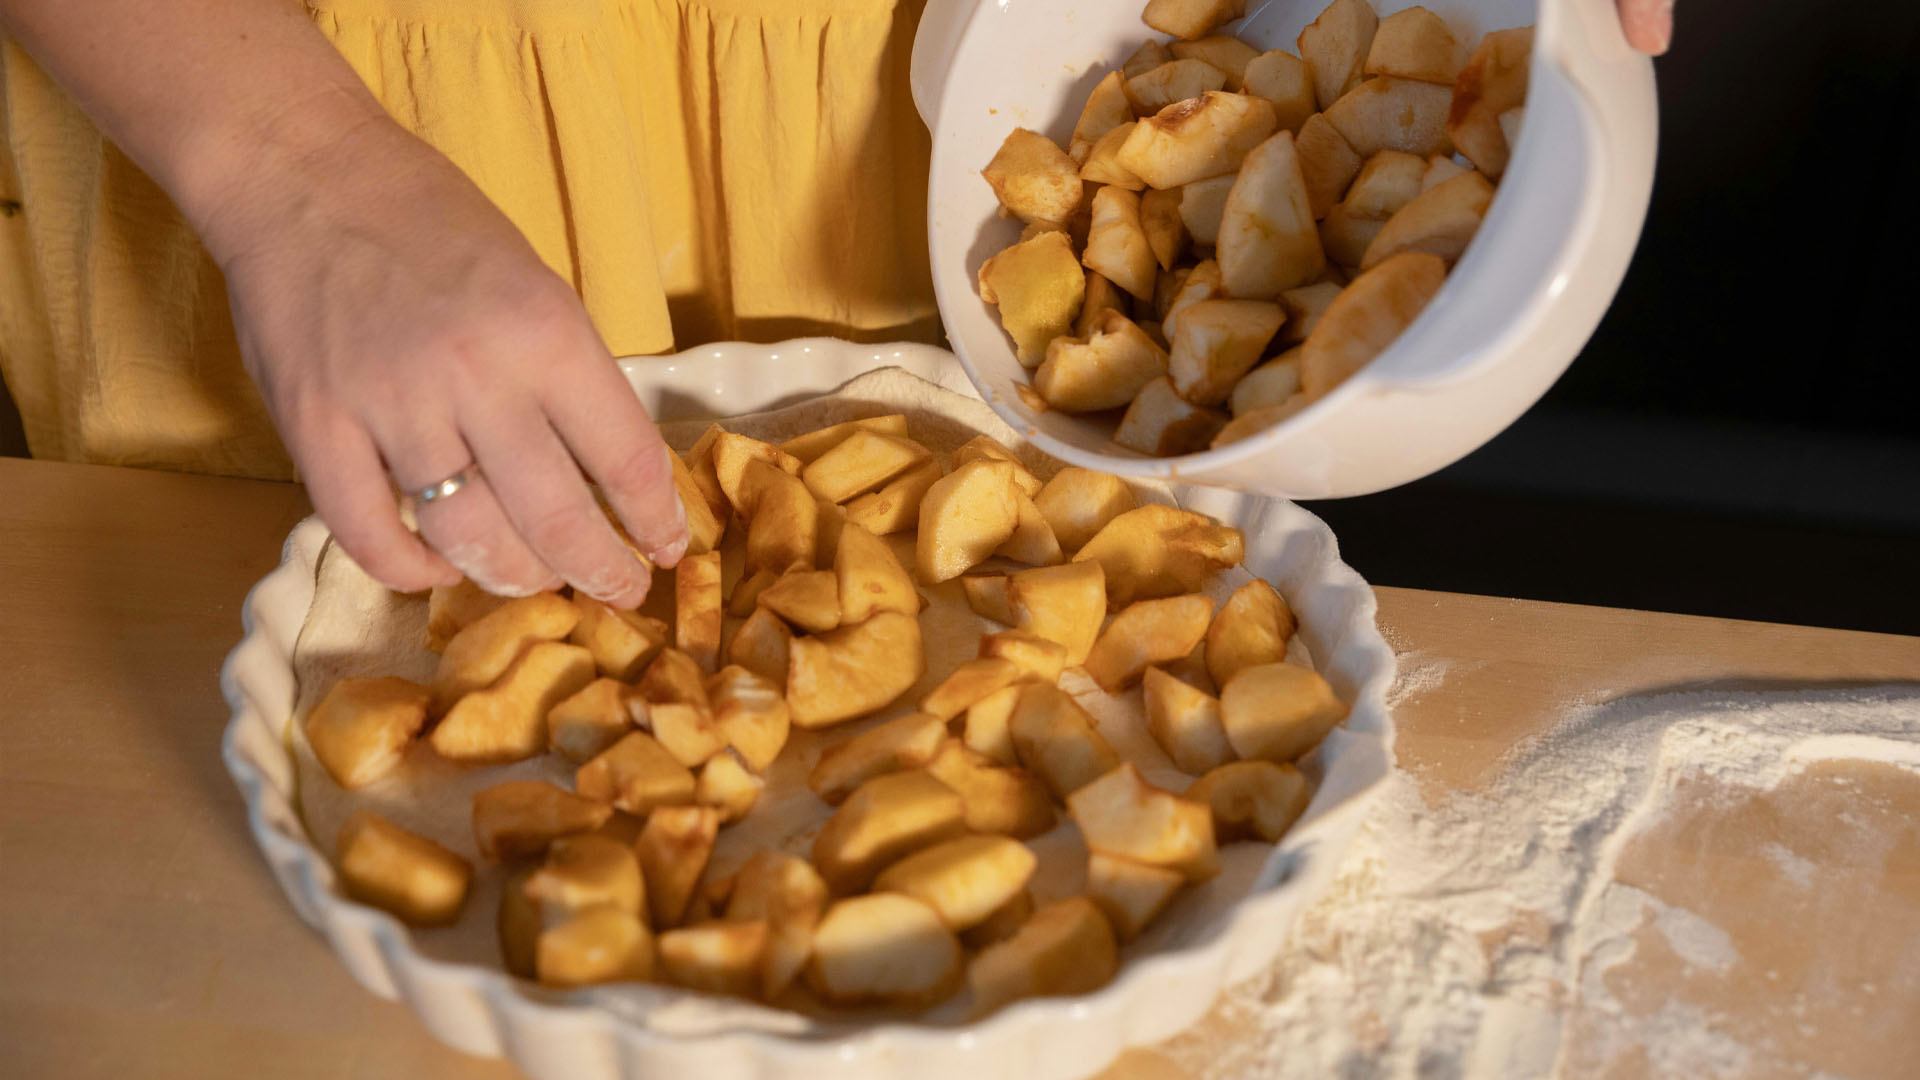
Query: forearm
212,98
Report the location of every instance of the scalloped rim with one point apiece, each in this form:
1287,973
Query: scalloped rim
485,1011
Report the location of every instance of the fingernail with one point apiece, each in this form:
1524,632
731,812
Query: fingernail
666,555
1664,29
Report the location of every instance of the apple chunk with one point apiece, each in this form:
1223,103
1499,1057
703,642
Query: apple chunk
1121,814
1366,318
1278,712
1253,800
1148,632
1335,47
965,515
854,670
1103,371
1439,221
1217,342
1033,178
362,726
1493,83
1198,138
1386,113
1117,247
1066,947
1267,237
885,948
1038,285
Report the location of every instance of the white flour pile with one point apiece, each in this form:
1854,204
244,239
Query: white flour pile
1453,933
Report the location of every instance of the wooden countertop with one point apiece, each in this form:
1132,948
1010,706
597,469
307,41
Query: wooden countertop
142,935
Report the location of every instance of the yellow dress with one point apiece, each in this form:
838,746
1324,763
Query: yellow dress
700,170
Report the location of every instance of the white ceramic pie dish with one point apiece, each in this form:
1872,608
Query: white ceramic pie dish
1512,315
484,1011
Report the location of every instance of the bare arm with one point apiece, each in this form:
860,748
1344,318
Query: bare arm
395,321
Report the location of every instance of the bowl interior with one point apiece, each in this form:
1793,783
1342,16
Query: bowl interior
1028,63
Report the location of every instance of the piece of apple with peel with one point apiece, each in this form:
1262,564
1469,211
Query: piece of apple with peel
1161,423
519,818
1066,947
785,892
1121,814
1278,712
885,819
361,727
673,849
998,798
1198,138
1373,311
1413,44
1267,236
1185,721
1335,47
1253,800
1033,178
1063,603
1038,285
1493,82
1386,113
1104,371
1328,163
1056,739
1175,80
1147,632
1439,221
1252,628
635,774
508,721
896,506
964,516
1106,108
1117,246
1130,893
1078,503
1217,343
854,670
905,742
965,879
885,948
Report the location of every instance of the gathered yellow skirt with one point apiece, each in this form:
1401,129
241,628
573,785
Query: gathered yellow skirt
699,170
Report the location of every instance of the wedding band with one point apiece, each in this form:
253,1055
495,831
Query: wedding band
448,487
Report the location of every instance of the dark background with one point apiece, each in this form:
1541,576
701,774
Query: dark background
1742,436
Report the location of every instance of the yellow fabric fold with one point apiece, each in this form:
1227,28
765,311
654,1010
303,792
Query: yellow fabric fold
698,170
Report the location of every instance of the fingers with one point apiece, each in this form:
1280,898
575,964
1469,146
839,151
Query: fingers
1648,23
348,485
609,431
547,501
474,533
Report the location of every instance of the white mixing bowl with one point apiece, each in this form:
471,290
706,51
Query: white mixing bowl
1511,317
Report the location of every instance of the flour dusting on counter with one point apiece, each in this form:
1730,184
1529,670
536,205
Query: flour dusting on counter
1456,936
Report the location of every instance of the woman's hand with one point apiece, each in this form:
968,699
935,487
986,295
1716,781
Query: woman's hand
1648,23
399,325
